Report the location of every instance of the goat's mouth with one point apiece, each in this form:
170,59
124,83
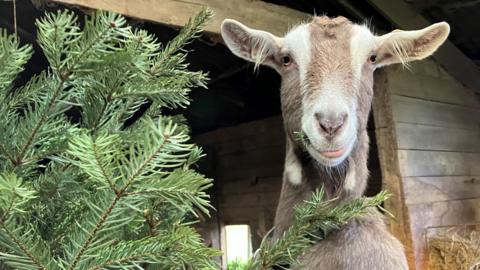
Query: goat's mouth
331,157
334,153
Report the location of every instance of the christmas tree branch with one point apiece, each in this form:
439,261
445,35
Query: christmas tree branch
7,154
140,169
12,59
93,233
104,173
65,75
12,196
188,33
46,113
314,220
34,260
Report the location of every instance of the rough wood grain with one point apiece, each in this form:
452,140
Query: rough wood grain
250,143
412,110
438,163
249,199
250,129
256,185
406,83
258,14
274,169
387,144
444,188
424,137
244,215
253,159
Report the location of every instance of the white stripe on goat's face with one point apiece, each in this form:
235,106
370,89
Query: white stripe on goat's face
327,74
296,43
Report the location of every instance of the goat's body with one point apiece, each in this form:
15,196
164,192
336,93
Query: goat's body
363,244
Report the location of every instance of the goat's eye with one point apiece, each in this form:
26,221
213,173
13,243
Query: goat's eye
286,60
372,58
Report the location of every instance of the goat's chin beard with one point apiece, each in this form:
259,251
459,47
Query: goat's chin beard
331,158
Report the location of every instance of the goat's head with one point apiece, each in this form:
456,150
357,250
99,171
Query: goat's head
327,70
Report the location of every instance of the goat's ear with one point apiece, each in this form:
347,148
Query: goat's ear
404,46
253,45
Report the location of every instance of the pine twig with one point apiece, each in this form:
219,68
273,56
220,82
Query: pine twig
94,232
22,246
314,220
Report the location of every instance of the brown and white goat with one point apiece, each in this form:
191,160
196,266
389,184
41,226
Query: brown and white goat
327,68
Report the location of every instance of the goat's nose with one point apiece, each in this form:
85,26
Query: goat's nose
330,124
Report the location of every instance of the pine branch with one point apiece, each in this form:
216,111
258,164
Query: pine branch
178,188
16,260
6,153
168,248
314,220
190,31
93,233
160,141
46,113
102,26
96,158
12,196
12,59
160,147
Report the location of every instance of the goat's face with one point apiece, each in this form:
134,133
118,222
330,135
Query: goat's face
327,70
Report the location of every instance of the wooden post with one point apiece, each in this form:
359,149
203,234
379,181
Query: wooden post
387,152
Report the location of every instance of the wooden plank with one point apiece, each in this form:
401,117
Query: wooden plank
249,199
427,67
252,159
446,213
255,185
389,164
422,137
257,14
406,83
438,163
274,169
449,56
411,110
444,188
246,215
247,144
259,128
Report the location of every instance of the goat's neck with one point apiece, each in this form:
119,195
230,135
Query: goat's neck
303,175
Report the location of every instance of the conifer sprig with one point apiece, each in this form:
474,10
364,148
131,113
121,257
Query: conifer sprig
12,59
314,220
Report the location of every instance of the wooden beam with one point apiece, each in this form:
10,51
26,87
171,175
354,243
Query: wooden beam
253,13
449,56
386,139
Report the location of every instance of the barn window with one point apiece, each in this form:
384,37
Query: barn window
238,243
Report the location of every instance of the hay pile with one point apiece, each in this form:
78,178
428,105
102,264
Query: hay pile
451,250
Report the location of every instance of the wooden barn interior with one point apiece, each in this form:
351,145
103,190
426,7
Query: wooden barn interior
424,126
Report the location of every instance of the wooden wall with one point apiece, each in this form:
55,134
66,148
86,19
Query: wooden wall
246,162
435,133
